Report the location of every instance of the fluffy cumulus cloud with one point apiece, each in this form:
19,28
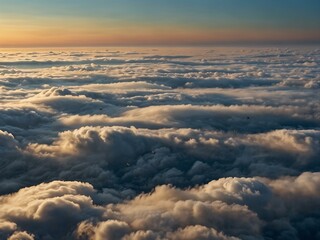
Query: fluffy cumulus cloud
211,211
148,143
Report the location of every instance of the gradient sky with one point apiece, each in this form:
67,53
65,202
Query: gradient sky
35,23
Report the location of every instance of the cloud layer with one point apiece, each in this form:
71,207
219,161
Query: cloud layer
160,144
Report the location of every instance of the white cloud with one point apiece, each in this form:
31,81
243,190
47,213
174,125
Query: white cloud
203,212
194,143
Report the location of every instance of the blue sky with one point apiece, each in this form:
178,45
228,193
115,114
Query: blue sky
190,15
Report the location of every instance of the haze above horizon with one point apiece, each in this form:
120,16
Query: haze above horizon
37,23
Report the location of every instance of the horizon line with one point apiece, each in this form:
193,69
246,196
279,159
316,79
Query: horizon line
212,44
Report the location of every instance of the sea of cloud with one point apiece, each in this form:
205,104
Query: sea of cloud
160,143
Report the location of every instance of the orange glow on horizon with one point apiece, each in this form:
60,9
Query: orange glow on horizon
86,33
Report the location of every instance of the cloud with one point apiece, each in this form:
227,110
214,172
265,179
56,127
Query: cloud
63,100
21,236
22,117
182,157
45,206
203,212
196,143
242,118
290,148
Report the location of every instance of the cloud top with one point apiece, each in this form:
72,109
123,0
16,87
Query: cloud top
160,143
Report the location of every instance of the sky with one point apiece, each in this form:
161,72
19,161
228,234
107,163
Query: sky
36,23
